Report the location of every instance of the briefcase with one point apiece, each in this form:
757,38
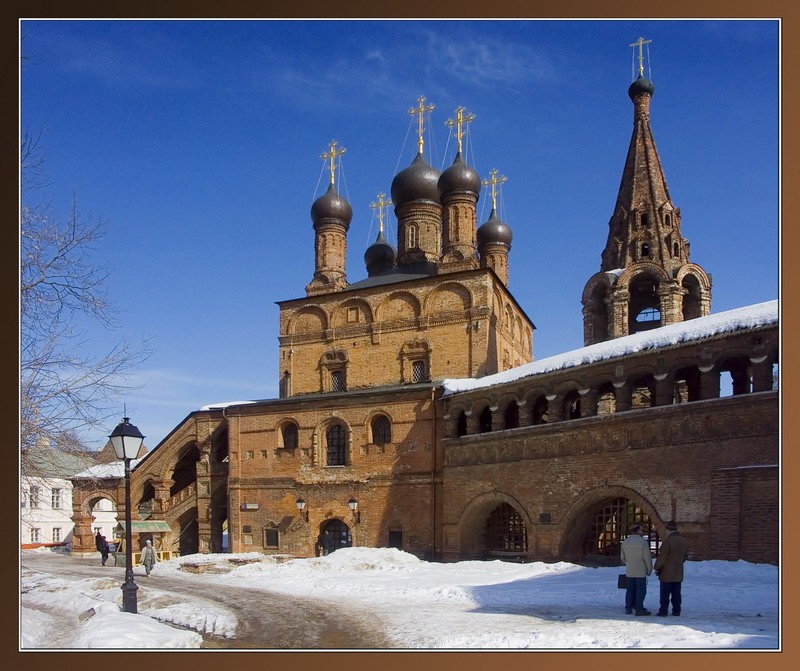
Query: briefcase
622,581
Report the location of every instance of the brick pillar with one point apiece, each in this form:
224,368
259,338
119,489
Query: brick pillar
762,376
161,488
498,418
588,402
709,382
618,324
555,410
472,423
525,412
670,297
664,389
623,396
82,535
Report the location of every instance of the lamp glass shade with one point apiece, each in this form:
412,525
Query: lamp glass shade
301,505
126,439
353,504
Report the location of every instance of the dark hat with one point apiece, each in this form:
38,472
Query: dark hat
671,526
636,527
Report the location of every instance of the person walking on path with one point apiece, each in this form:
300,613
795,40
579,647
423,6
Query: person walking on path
635,553
98,540
669,569
104,550
149,556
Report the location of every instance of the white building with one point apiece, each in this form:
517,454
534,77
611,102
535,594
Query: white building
46,496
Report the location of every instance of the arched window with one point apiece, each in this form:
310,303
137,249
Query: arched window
336,441
645,249
289,436
381,430
461,425
418,371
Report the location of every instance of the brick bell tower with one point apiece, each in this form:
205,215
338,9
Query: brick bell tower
645,279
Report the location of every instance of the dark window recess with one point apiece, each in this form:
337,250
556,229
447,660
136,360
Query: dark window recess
270,538
485,420
381,430
461,427
418,371
290,436
512,415
336,446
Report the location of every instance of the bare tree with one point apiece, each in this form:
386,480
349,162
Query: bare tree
64,388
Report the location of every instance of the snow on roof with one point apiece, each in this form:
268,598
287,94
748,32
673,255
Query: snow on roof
116,469
752,316
226,404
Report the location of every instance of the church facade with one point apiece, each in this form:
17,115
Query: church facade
412,413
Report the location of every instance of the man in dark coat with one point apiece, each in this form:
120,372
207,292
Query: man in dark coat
98,540
669,569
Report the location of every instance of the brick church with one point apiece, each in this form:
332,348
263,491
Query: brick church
412,413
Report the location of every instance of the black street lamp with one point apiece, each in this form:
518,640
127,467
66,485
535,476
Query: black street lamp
127,440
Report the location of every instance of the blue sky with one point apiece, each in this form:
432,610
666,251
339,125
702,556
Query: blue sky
199,143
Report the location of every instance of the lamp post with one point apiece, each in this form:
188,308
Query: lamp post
127,440
301,506
354,508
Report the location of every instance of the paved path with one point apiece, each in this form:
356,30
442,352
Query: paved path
266,620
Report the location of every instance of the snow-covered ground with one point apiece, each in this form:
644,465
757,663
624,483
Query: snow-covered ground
464,605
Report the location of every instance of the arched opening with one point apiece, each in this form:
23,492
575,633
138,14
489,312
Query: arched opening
145,506
644,311
511,415
461,424
506,534
692,306
572,405
643,392
185,472
596,534
334,534
188,534
739,379
606,400
381,429
288,436
686,385
485,420
540,411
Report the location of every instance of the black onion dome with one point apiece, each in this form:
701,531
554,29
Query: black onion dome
380,256
640,86
494,231
331,206
459,177
419,181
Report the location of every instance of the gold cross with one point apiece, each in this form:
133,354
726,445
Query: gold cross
332,154
458,122
640,43
421,111
380,205
494,180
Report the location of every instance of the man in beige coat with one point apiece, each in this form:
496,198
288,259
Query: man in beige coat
669,569
635,552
